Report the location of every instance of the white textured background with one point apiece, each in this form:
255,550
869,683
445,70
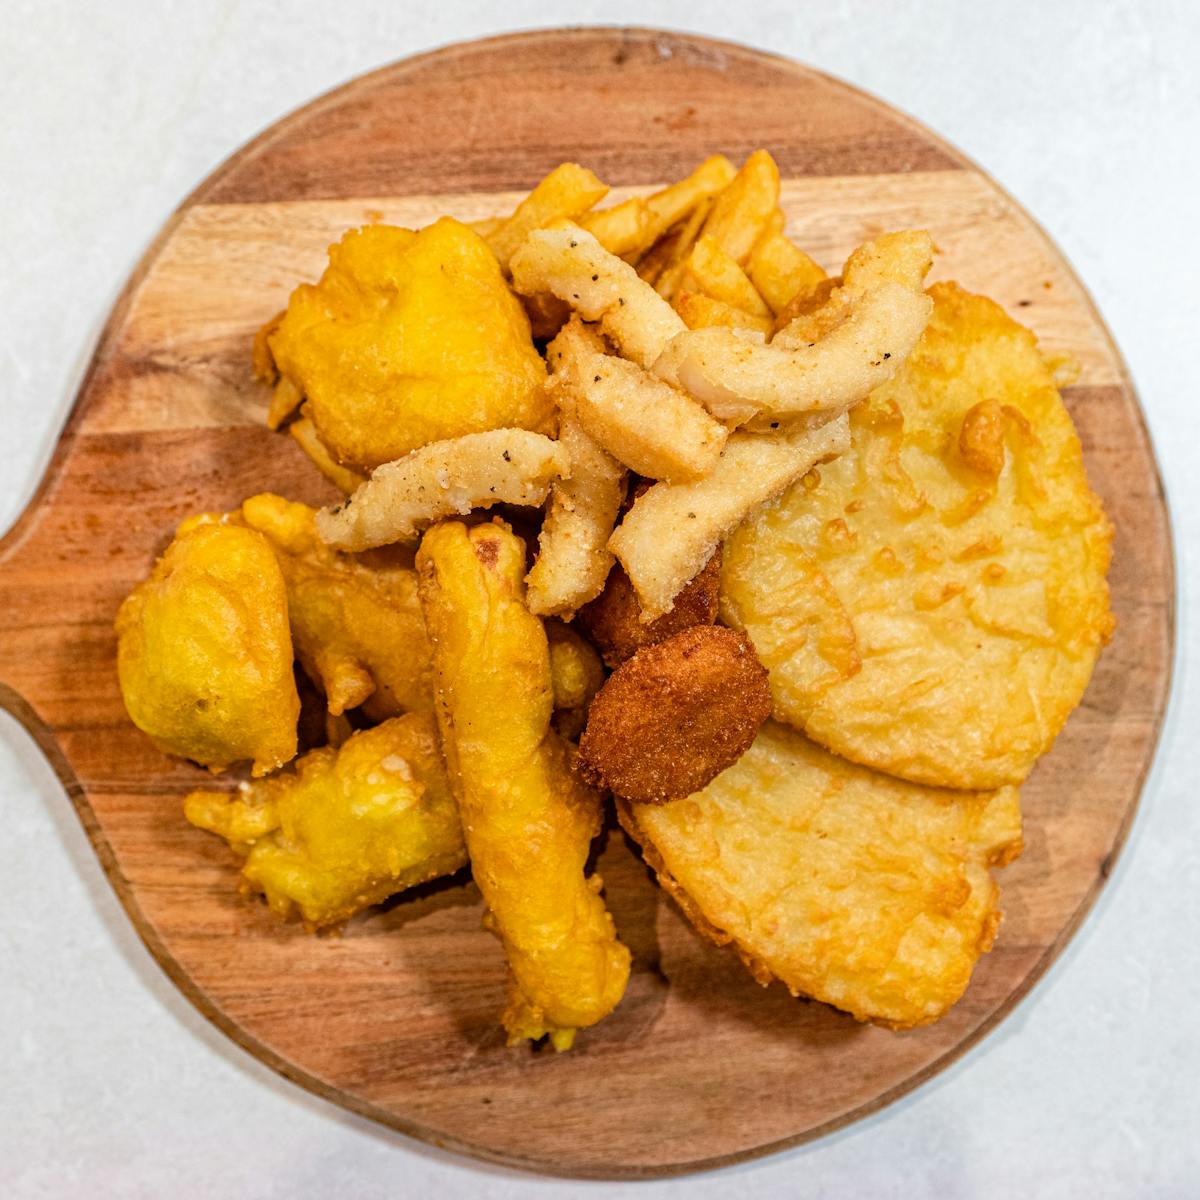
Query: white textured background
1087,110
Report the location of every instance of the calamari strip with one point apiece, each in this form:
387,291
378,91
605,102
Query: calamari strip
672,529
447,478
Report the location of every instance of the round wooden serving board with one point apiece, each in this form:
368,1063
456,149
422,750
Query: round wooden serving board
397,1019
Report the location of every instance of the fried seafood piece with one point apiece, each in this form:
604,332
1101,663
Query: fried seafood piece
672,530
409,338
204,654
502,466
573,556
348,828
576,675
932,603
868,893
529,821
614,622
356,622
871,325
675,715
651,427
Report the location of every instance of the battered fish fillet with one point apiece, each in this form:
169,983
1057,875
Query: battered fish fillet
529,822
932,603
408,338
349,828
204,654
356,619
854,888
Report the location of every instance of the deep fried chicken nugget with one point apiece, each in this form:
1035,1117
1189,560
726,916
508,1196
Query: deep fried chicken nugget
614,619
349,828
675,715
204,654
357,627
854,888
529,822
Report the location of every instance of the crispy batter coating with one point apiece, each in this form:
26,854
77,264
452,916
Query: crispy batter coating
348,828
529,822
576,675
479,470
955,549
204,654
854,888
675,715
409,338
614,619
356,624
672,530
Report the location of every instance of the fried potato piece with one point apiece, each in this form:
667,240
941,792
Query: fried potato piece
672,530
576,675
614,619
870,894
204,654
357,627
262,361
712,272
348,828
976,596
651,427
684,197
741,210
780,270
666,271
703,312
410,338
502,466
569,263
565,194
305,434
675,715
624,228
573,556
529,822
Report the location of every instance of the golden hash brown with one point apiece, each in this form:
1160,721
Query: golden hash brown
866,892
932,603
675,715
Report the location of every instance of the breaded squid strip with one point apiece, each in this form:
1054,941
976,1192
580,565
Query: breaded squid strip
671,530
571,264
529,821
573,557
738,380
501,466
653,428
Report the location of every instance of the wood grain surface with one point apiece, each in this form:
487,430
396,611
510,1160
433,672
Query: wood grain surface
397,1018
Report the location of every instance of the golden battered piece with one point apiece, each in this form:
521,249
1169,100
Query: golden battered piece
409,338
954,552
356,625
576,675
854,888
529,822
204,654
675,715
348,828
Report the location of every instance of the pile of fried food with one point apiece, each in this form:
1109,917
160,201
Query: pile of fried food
816,579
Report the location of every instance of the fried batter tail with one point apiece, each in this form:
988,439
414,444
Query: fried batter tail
529,822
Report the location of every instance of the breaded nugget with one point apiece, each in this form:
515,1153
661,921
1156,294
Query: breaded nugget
851,887
350,827
529,821
204,653
955,550
675,715
614,619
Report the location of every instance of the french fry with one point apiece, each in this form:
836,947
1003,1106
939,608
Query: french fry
305,433
672,529
712,272
779,269
262,361
626,228
486,226
566,193
703,312
679,247
286,398
654,429
740,212
674,203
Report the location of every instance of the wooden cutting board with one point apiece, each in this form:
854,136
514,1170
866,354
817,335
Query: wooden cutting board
397,1019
